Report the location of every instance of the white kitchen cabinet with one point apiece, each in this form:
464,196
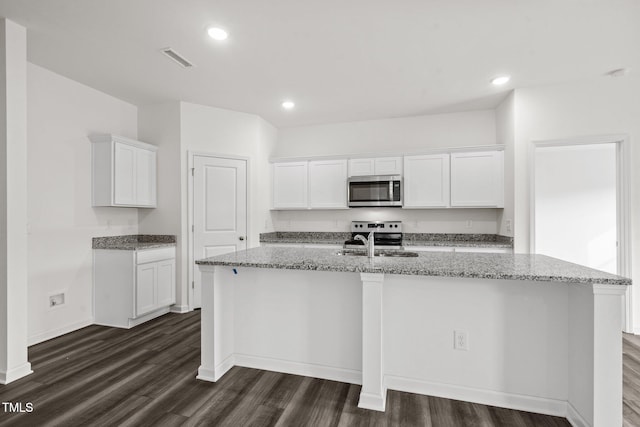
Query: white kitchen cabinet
375,166
123,172
477,179
426,181
133,286
328,184
290,185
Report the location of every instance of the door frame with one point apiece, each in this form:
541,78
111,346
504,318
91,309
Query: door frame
191,155
623,201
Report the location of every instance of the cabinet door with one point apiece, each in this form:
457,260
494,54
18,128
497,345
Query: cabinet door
146,277
124,174
426,181
388,166
166,284
361,167
145,177
477,179
290,185
328,184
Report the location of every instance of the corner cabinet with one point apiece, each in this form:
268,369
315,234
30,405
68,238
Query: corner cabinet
477,179
133,286
123,172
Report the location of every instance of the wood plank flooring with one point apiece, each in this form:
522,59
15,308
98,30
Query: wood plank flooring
631,380
145,376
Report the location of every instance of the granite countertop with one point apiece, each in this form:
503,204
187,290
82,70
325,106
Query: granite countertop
408,240
444,264
133,242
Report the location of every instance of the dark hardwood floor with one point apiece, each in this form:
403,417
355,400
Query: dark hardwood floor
631,380
145,376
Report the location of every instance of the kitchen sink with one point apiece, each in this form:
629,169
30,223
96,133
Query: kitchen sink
400,254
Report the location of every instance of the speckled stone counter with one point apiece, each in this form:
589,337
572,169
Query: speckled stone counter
457,240
133,242
409,239
326,238
470,265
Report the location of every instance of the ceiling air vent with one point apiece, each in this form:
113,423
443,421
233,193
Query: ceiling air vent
175,56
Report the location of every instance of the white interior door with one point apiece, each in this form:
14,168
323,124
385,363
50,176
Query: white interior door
576,207
220,210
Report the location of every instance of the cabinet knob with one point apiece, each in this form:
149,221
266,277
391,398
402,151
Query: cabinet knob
241,238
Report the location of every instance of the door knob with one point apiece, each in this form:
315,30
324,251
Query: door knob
241,238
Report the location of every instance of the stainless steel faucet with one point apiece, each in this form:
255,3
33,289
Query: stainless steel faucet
368,243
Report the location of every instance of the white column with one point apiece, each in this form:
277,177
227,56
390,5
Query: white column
13,202
607,355
217,327
374,393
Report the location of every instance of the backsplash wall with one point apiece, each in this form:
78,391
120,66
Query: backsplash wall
414,220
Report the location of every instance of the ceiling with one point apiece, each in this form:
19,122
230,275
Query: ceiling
339,60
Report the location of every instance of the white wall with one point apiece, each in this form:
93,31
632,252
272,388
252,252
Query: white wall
397,135
599,107
225,132
160,125
178,128
389,135
61,221
505,134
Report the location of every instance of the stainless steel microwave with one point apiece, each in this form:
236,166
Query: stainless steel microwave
374,190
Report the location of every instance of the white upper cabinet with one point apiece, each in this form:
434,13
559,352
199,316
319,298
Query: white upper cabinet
290,185
375,166
477,179
123,172
328,184
426,181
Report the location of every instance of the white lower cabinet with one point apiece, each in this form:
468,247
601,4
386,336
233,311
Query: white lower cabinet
133,286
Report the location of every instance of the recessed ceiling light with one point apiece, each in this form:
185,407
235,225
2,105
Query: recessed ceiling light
217,33
288,105
500,80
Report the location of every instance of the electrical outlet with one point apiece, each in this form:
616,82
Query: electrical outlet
460,340
508,225
469,223
56,300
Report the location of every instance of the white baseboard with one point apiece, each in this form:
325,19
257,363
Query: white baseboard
54,333
373,401
306,369
180,309
213,375
482,396
574,417
15,373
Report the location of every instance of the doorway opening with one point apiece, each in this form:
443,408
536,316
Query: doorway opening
579,209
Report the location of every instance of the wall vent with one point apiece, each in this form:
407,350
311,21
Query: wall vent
175,56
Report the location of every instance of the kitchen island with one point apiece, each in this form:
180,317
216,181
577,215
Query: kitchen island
533,333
